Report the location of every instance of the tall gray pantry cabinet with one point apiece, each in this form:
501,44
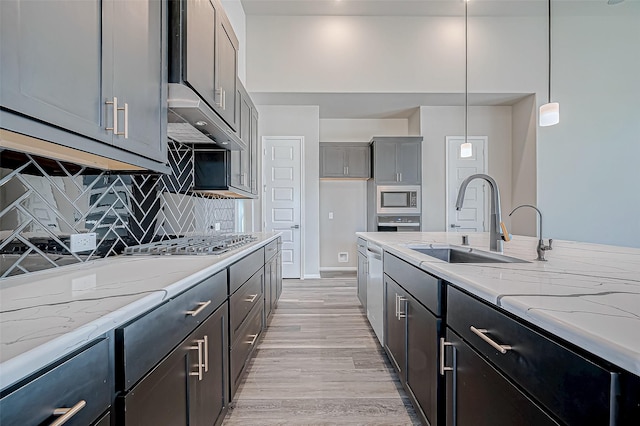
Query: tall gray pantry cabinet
94,69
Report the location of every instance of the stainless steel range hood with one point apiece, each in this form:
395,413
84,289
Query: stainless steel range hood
192,121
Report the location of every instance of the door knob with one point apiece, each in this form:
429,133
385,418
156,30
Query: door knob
295,227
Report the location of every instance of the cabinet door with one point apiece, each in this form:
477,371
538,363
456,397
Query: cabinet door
52,64
255,159
384,169
245,135
200,48
279,277
274,282
478,395
161,397
362,280
226,73
422,358
268,288
409,163
208,394
395,326
332,161
358,161
139,76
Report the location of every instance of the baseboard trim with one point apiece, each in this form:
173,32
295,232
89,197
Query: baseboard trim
311,276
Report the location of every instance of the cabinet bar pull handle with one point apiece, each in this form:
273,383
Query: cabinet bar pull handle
199,348
253,341
480,332
114,102
200,308
443,343
253,298
401,314
126,120
66,413
224,99
206,353
218,92
397,306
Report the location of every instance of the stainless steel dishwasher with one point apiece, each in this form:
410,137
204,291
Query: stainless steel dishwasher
375,293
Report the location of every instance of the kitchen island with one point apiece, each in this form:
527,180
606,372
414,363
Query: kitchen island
585,297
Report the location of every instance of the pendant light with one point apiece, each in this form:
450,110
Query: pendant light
466,149
549,112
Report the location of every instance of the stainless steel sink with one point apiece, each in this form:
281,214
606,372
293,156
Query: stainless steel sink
452,254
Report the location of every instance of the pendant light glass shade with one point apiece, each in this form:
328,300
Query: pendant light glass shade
466,150
549,114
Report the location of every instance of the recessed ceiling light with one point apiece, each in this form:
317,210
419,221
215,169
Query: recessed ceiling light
201,123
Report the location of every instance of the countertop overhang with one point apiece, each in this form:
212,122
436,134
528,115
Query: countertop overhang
47,315
587,294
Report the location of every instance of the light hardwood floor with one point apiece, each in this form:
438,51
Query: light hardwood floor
319,363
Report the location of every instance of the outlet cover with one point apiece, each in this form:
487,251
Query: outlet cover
217,226
82,242
343,257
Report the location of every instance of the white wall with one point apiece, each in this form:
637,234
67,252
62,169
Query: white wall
588,163
395,54
439,122
237,17
347,199
355,54
523,167
300,121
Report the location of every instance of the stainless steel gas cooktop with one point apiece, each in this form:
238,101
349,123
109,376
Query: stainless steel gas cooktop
195,245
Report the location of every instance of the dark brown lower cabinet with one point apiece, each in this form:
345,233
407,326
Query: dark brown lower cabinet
411,342
478,395
189,386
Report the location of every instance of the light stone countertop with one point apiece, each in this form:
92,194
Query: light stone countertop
587,294
48,314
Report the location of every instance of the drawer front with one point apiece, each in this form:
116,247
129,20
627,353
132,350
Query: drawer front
242,301
362,246
270,250
242,349
242,270
570,386
145,341
85,377
425,288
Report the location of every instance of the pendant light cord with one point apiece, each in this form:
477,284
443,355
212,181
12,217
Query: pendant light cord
549,62
466,71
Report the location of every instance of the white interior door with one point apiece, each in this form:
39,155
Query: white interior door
283,197
471,218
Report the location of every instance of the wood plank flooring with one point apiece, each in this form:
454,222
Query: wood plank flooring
319,363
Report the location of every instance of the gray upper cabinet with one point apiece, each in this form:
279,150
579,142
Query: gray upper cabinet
227,71
244,164
397,160
211,59
139,76
64,63
255,159
342,160
52,64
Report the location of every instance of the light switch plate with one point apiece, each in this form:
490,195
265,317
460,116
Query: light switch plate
217,226
330,215
82,242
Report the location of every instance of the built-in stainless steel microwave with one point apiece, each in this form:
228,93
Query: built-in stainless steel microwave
398,199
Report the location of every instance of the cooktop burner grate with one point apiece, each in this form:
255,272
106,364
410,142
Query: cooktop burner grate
196,245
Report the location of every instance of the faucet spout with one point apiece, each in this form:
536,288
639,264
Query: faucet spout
541,247
495,237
